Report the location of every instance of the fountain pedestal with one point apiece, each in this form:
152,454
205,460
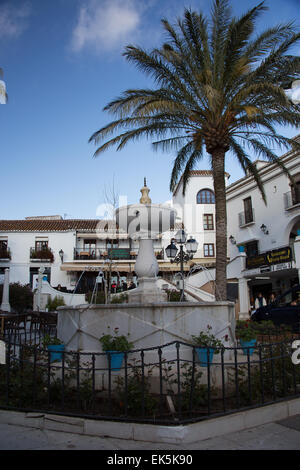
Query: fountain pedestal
146,268
144,222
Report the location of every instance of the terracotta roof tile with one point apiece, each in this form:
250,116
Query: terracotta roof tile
48,225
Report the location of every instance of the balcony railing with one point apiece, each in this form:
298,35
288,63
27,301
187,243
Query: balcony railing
44,254
291,199
5,253
101,254
113,253
246,217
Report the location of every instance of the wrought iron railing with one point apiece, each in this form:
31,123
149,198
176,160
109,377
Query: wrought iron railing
149,379
100,254
44,254
114,254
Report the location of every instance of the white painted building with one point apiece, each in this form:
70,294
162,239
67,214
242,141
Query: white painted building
266,232
76,250
196,210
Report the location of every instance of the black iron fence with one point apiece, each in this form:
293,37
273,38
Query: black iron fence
171,384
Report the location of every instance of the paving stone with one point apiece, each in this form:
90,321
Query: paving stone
292,422
271,436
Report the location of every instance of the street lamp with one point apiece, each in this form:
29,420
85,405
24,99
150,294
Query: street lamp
61,254
191,246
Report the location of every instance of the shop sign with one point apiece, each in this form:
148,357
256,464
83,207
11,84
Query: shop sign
279,267
281,255
119,253
278,256
253,262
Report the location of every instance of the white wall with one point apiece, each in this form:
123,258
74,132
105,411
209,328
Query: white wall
20,263
192,213
278,221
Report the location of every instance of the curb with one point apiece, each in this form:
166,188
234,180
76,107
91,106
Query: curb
155,433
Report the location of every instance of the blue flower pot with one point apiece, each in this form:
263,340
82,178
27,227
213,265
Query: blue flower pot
248,346
202,355
56,352
116,359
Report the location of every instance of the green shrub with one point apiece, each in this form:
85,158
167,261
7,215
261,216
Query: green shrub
136,392
54,303
245,330
119,299
50,340
115,343
207,340
20,297
100,297
173,295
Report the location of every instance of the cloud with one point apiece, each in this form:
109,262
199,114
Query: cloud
13,20
106,24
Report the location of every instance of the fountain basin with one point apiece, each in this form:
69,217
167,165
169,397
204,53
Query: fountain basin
145,220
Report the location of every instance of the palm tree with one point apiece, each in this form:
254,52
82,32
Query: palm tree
219,88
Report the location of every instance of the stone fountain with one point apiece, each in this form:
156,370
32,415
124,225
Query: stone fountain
148,317
144,222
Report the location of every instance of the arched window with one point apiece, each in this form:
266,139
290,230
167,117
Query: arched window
206,196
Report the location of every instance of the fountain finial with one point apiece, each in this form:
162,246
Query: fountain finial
145,199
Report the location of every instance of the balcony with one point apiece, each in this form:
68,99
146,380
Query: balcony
101,254
44,254
246,218
121,254
291,199
5,254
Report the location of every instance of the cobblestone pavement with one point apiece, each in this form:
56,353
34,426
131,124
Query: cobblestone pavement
282,435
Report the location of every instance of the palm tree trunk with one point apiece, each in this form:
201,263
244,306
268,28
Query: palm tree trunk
218,168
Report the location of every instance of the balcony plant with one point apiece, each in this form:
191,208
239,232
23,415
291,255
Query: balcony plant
55,346
206,346
247,335
45,253
115,346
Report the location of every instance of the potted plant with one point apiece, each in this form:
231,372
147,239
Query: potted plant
206,346
115,346
55,346
247,335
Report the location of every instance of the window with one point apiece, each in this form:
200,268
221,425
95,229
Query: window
3,245
251,248
206,196
248,210
208,249
296,192
208,221
112,244
34,275
89,244
41,245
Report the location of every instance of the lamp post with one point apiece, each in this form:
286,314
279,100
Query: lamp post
191,246
61,254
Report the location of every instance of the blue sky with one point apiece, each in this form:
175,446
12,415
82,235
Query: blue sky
62,62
